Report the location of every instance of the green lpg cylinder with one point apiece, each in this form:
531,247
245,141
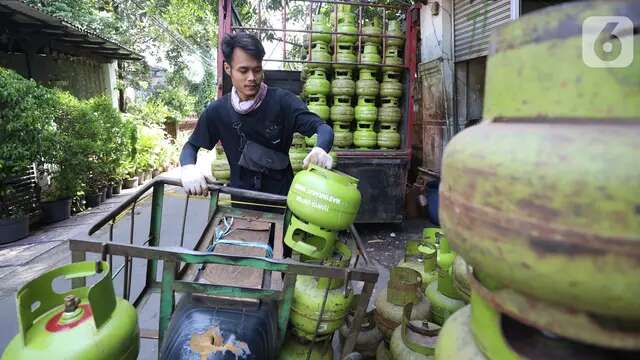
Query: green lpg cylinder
364,137
309,296
297,349
414,340
345,57
368,338
322,202
366,110
342,9
342,135
297,140
382,352
317,84
220,166
392,57
421,257
320,23
445,299
317,104
343,84
342,112
391,85
370,56
403,288
367,85
433,235
83,323
347,24
394,29
461,272
373,28
296,156
557,202
456,341
311,141
319,52
389,111
388,137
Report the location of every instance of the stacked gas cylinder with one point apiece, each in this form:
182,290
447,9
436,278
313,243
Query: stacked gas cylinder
542,198
220,166
424,279
322,203
331,90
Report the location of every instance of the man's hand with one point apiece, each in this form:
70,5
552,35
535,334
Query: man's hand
194,182
318,157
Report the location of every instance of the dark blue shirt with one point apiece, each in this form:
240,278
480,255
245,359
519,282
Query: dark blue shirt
271,125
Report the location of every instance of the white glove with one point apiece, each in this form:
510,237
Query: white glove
318,157
194,182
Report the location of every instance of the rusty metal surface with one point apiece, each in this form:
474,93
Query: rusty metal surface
555,206
433,114
562,321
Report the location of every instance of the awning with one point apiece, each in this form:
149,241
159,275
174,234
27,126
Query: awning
26,28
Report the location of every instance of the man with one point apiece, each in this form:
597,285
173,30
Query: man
255,124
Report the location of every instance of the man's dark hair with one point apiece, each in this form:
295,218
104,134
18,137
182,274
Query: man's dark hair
245,41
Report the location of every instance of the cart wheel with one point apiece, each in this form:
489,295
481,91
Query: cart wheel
353,356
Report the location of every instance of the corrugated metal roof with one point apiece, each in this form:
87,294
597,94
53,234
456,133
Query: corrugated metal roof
20,19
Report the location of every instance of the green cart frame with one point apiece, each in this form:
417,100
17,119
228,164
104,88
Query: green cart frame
177,262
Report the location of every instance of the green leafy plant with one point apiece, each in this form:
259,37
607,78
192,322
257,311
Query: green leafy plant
27,132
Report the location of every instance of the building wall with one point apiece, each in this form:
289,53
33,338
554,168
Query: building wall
82,77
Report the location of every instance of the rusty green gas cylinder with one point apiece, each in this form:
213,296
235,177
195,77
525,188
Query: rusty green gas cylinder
319,52
389,111
388,137
373,27
342,112
366,110
392,57
317,84
391,85
413,340
342,135
394,29
456,341
82,323
345,57
546,190
295,349
364,137
320,23
367,85
368,338
444,298
308,301
220,166
370,56
403,288
342,83
421,258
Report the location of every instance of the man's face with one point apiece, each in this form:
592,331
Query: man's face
246,74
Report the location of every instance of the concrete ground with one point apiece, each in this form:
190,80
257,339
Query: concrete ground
45,248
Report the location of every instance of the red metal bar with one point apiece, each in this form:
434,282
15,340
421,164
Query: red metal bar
357,3
248,28
225,16
410,61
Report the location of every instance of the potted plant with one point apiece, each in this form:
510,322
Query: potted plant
26,133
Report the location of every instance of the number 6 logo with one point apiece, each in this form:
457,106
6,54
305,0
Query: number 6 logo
607,41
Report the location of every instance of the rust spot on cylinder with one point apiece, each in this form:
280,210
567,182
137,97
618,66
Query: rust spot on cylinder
545,246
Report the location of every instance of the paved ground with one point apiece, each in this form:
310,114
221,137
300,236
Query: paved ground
46,248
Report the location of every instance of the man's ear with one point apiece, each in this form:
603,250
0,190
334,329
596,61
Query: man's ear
227,68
